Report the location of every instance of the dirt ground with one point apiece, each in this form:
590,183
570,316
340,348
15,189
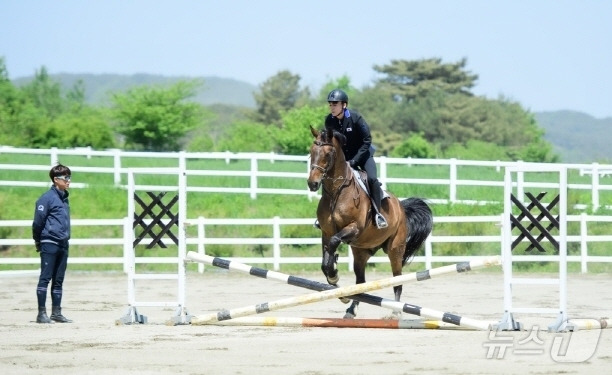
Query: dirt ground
94,344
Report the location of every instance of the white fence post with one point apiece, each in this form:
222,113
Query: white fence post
595,187
276,234
583,243
116,166
54,157
201,246
428,253
128,240
382,175
129,233
453,180
520,182
182,235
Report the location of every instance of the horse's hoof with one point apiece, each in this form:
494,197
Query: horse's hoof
349,316
344,300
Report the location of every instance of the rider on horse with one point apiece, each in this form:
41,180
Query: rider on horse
358,149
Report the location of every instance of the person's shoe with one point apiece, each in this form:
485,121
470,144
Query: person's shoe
381,222
42,316
316,224
56,315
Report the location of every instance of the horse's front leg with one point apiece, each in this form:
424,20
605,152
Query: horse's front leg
329,262
360,259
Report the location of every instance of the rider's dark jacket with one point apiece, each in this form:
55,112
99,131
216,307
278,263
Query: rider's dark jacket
358,145
52,217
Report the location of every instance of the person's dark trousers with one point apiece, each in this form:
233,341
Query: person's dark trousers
53,263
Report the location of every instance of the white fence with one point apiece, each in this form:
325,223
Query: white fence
200,241
589,177
117,165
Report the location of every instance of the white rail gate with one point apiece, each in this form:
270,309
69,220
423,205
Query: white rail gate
156,220
550,228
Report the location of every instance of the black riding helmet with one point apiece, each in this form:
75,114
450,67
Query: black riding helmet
337,95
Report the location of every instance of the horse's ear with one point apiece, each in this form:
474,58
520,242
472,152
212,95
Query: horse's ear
330,133
314,132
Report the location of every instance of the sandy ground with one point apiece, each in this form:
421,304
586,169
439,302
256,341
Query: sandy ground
94,344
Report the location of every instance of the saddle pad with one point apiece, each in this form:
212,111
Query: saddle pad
361,176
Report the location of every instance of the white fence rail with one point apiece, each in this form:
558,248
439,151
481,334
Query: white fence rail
277,241
592,176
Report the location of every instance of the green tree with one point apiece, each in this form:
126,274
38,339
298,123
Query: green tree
247,136
294,137
343,83
156,118
88,127
408,80
76,96
19,118
277,95
45,94
416,146
37,115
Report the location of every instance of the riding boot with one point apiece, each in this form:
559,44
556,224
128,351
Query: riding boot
56,315
42,316
376,193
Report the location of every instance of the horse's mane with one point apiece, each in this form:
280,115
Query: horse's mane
339,136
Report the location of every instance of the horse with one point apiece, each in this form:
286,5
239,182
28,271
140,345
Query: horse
345,215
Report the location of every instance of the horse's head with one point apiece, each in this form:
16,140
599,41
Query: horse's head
322,157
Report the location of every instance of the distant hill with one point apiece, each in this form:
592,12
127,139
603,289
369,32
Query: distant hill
577,137
99,87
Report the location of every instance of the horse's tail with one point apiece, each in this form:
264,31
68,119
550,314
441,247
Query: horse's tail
419,222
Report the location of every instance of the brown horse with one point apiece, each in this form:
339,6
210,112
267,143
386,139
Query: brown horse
345,215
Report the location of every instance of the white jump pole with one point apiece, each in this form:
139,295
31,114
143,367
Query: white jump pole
336,293
362,297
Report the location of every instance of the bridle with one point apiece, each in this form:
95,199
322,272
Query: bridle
323,170
345,179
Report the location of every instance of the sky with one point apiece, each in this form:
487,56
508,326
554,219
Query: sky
547,55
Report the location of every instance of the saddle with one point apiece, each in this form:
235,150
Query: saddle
362,180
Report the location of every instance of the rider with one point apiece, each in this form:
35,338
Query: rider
358,149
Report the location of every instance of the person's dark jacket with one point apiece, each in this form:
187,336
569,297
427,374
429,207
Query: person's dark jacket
358,148
52,217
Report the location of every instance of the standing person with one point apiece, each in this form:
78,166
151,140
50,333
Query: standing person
358,149
51,232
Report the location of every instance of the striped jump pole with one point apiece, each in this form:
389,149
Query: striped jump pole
266,321
355,291
366,298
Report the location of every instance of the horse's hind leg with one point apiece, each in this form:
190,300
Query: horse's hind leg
395,258
360,259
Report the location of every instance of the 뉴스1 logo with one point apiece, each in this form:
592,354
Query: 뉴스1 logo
567,347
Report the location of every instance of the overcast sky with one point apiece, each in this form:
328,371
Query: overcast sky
548,55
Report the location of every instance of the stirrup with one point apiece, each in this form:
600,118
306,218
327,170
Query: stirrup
316,224
381,222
